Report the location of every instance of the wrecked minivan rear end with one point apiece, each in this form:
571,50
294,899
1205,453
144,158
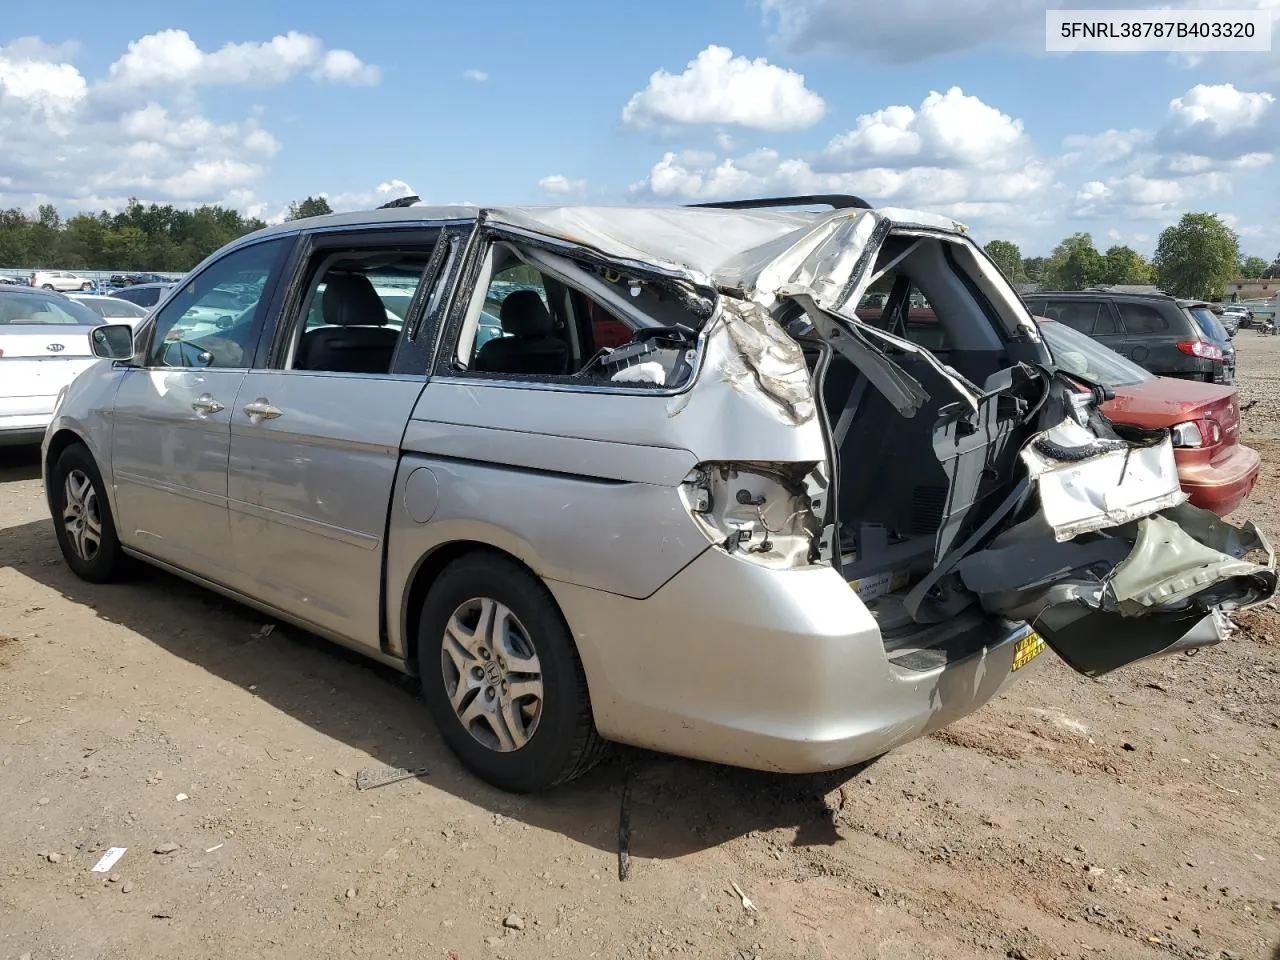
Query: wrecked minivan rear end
903,498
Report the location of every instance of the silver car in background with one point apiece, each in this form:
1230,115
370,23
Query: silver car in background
690,496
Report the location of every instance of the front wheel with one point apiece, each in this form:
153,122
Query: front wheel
86,286
82,518
502,679
47,286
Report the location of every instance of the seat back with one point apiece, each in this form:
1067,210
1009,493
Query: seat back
530,346
355,338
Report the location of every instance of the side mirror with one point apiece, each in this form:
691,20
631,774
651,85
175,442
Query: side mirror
112,341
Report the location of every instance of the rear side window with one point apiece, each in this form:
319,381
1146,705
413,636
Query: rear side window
1079,315
33,308
1139,318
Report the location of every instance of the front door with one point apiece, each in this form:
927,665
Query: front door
172,419
316,430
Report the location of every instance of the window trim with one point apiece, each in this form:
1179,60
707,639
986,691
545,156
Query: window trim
263,309
320,245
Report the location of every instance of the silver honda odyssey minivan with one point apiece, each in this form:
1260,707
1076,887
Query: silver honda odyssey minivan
757,483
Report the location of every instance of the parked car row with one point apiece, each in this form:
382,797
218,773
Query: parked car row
681,498
1167,336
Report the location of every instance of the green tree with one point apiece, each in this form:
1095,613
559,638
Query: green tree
1033,268
1274,269
138,237
310,207
1122,264
1008,258
1252,268
1197,257
1074,264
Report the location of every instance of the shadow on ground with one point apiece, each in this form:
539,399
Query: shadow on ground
676,806
19,463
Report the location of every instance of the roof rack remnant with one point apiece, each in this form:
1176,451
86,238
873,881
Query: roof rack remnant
836,201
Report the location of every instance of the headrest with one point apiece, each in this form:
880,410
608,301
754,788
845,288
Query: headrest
525,315
350,300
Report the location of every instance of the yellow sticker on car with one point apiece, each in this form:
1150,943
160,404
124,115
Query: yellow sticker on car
1026,650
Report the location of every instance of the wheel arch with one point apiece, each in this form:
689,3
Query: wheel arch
427,571
64,437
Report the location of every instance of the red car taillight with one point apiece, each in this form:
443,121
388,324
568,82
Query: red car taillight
1200,348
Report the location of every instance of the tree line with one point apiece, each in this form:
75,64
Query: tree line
141,237
1196,257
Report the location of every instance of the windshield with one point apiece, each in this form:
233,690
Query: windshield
36,308
1087,358
1210,324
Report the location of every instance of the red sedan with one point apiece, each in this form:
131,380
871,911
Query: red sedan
1217,471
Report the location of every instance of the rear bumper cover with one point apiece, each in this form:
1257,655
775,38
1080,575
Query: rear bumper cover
773,670
1223,485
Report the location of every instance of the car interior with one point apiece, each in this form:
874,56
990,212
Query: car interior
547,324
349,327
895,530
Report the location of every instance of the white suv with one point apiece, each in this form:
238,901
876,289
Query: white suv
60,280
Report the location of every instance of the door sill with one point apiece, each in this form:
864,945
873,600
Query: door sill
230,593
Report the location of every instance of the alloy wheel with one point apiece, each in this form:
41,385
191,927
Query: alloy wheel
80,515
491,674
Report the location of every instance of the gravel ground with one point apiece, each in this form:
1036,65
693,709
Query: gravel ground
1131,817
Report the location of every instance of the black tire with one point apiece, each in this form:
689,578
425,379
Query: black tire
47,286
107,562
86,286
564,743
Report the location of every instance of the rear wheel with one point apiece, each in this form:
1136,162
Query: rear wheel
501,677
86,286
47,286
82,518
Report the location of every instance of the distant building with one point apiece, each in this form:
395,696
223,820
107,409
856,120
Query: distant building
1262,289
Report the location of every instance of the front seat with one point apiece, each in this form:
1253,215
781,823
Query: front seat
356,338
530,346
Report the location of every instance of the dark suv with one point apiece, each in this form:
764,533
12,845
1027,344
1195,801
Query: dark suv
1155,331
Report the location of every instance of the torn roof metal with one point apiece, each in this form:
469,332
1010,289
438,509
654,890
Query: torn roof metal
727,249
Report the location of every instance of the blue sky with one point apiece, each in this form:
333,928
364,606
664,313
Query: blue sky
945,106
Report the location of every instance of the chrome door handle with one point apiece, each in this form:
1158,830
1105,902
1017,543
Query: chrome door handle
261,409
205,404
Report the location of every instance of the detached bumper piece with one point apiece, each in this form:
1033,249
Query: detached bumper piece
1116,594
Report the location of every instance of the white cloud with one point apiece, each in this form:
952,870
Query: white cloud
763,172
719,88
171,57
1220,121
1110,146
561,186
368,199
1138,197
343,66
949,129
83,143
478,76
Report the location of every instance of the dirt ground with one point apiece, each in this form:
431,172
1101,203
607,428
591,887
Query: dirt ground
1137,816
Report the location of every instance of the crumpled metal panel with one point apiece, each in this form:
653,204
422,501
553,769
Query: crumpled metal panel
1171,562
1092,485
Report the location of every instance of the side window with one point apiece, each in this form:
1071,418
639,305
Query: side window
527,316
527,323
1077,314
354,308
914,319
1105,326
1139,318
213,321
